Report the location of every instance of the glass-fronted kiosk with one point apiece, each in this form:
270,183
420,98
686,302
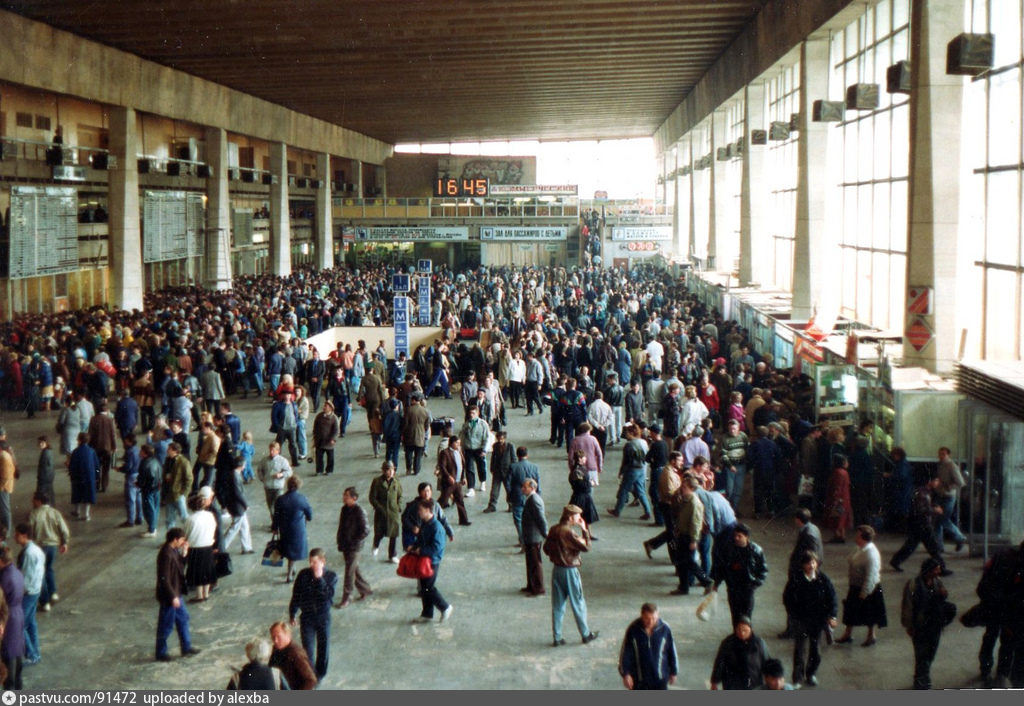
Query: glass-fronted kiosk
992,454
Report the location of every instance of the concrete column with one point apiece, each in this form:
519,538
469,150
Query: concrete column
357,177
125,231
700,202
280,221
719,251
754,242
811,236
672,164
936,169
382,181
218,212
324,222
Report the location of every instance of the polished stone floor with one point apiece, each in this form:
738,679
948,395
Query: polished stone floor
101,633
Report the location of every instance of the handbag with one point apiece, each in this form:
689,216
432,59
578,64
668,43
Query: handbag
948,612
414,566
272,555
222,565
975,617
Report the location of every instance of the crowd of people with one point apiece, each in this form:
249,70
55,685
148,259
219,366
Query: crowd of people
612,358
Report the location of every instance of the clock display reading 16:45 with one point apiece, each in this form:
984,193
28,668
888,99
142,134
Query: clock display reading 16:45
453,187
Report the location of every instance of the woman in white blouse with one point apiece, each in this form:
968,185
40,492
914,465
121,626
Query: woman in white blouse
201,533
864,604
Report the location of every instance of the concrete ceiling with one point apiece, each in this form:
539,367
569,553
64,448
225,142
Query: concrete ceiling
432,70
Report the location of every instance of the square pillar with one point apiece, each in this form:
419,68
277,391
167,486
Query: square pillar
754,245
324,222
812,236
125,229
700,202
218,212
280,220
720,253
936,168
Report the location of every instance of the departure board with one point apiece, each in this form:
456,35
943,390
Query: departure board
173,225
241,226
43,231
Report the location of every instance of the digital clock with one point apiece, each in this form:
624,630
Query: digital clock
452,187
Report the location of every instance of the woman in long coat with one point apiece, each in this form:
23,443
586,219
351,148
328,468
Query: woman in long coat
291,513
69,424
838,507
13,647
85,468
582,493
372,395
386,500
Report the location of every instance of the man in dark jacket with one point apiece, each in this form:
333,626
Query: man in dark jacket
503,455
924,512
743,568
647,659
227,486
518,472
411,522
810,600
313,594
352,532
535,531
740,658
150,474
925,611
170,588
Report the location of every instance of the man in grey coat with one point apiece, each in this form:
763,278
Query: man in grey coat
213,390
535,531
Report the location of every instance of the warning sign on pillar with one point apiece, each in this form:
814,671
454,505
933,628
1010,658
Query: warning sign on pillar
919,334
919,300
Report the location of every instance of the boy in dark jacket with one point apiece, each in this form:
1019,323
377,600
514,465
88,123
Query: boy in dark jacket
810,600
740,659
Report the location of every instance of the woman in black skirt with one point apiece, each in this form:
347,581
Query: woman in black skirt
864,604
582,495
201,533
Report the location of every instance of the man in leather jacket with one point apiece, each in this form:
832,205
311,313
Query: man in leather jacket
743,568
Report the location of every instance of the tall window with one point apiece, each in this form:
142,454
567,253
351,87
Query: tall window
735,120
875,156
993,112
783,102
700,147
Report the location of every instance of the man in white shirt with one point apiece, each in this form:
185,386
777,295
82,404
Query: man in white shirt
694,447
655,354
33,565
601,418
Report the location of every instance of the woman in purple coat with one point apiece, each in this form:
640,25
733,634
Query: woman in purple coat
12,583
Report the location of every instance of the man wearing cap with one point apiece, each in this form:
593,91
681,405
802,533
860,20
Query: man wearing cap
742,568
563,546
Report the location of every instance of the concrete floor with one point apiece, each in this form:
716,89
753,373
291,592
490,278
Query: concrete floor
101,633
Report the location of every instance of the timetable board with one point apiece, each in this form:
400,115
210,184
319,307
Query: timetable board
43,231
242,226
173,225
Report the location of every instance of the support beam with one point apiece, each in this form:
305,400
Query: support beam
280,220
125,234
324,221
700,202
721,201
754,236
812,236
218,212
936,171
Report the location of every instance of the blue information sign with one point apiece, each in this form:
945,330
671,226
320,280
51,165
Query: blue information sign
424,269
401,317
400,283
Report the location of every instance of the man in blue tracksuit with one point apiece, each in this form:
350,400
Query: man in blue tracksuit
430,542
648,658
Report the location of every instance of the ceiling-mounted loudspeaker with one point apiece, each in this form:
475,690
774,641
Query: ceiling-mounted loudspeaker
970,54
862,96
778,131
737,150
143,165
234,174
685,171
100,160
302,183
897,78
794,122
828,111
316,183
730,150
174,169
759,137
203,171
269,179
249,176
723,154
55,156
